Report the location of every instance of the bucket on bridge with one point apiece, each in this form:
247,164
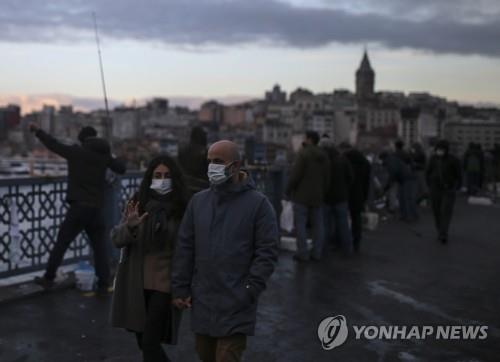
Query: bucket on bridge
370,220
85,277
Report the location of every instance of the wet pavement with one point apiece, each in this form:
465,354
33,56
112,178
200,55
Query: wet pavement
403,277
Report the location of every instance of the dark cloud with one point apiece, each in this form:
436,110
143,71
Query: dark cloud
444,26
462,11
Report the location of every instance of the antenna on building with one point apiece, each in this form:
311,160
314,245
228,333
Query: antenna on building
98,43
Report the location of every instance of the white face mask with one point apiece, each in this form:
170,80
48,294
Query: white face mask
217,174
161,186
440,153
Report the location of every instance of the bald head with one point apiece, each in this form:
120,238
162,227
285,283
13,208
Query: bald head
226,153
223,152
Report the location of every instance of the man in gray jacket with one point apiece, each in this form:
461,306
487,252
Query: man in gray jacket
226,251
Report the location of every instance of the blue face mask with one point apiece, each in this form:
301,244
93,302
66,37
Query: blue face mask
218,174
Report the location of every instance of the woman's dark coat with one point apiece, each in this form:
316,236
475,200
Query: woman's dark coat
128,304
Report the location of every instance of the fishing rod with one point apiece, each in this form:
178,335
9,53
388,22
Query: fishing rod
98,43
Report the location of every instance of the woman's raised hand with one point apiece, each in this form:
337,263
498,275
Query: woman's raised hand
132,217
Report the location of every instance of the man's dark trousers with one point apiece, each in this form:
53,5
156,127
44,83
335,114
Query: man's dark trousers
473,182
442,207
356,224
80,218
408,199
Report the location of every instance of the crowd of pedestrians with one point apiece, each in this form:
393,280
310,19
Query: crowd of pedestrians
198,235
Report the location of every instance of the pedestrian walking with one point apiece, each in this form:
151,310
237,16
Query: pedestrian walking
359,190
444,177
147,237
400,173
225,253
419,163
474,168
193,161
307,187
337,197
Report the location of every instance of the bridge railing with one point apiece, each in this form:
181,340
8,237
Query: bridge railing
32,209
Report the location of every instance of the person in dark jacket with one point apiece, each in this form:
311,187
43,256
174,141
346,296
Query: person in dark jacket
400,172
337,197
400,151
307,187
474,168
419,163
327,145
193,160
359,190
87,165
444,177
147,236
226,251
496,167
407,192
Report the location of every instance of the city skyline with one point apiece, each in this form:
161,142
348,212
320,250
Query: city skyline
234,50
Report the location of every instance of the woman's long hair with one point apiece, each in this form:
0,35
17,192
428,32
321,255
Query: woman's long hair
179,194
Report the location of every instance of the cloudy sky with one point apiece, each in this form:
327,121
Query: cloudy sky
229,49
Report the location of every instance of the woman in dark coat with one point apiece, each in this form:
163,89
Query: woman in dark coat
146,237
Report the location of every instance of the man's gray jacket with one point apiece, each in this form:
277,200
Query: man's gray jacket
225,253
